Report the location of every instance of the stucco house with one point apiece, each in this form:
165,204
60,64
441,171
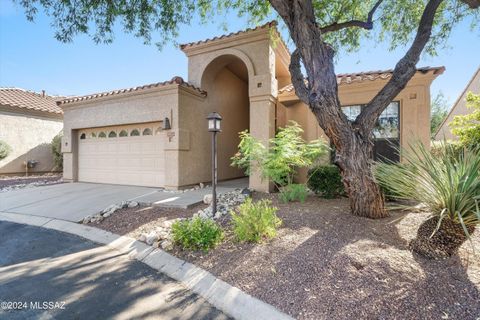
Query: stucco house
28,123
459,108
156,134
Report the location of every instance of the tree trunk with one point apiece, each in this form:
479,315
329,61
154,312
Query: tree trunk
354,159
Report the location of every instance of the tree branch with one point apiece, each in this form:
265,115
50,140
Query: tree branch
473,4
298,79
368,25
404,70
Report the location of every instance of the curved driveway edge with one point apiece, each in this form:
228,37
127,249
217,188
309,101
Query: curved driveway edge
220,294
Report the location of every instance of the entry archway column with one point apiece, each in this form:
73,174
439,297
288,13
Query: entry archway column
262,127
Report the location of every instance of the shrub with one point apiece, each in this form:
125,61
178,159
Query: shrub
255,221
467,127
326,181
448,184
437,148
5,149
197,233
294,192
57,151
286,153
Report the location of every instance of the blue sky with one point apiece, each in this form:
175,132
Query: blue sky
31,58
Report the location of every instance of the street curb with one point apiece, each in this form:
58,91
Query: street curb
220,294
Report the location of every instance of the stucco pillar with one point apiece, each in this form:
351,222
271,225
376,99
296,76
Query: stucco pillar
262,127
70,155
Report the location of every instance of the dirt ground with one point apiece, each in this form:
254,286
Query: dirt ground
17,181
328,264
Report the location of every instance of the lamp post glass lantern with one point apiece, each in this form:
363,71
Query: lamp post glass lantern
214,120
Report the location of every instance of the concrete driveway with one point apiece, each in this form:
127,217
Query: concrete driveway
61,276
69,201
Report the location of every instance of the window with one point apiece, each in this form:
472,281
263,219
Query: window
102,135
83,136
112,134
134,133
159,130
147,132
123,133
387,126
93,135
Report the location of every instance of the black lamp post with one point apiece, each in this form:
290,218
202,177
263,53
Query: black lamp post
214,127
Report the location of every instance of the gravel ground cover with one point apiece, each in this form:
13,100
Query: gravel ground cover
327,264
8,183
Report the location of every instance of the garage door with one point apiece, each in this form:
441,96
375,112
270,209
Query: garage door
128,155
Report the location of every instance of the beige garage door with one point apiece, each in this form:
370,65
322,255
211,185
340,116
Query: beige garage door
129,155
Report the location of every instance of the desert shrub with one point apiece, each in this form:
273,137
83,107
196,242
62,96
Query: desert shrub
448,184
437,148
255,221
294,192
286,153
326,181
57,151
5,149
467,127
381,170
197,233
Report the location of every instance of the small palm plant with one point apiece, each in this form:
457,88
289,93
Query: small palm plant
448,184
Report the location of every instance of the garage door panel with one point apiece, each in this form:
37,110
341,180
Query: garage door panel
130,160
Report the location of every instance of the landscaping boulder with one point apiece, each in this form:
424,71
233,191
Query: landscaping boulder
208,198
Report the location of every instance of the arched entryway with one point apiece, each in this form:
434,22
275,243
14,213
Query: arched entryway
226,81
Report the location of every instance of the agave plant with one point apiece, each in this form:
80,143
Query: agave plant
447,183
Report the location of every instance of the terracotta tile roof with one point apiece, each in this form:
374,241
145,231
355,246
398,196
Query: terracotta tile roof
23,99
348,78
225,36
175,80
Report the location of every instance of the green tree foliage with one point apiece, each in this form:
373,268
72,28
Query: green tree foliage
326,181
438,112
5,149
57,151
286,153
467,127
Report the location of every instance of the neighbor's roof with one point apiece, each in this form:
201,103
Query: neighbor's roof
348,78
175,80
23,99
267,25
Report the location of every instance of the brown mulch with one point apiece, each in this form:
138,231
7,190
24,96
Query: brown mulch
327,264
133,221
8,181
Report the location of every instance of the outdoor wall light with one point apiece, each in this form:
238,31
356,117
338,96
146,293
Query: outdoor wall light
214,120
166,124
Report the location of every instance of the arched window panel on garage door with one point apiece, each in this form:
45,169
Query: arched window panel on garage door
112,134
135,133
147,132
123,133
102,135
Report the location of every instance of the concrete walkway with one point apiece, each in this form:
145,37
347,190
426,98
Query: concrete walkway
86,280
75,201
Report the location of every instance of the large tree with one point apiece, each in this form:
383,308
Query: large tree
318,29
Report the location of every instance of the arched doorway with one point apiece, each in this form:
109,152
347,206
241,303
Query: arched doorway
226,81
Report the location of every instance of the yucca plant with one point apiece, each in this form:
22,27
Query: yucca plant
447,183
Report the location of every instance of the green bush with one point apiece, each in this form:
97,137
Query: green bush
197,233
255,221
294,192
57,151
5,149
326,181
437,148
448,183
467,127
279,163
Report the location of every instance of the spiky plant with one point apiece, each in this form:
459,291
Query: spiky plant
448,183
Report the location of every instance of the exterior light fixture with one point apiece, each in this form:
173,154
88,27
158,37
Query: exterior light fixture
214,120
166,124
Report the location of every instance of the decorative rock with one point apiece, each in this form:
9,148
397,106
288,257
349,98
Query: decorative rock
107,214
151,238
142,237
202,185
132,204
247,192
87,219
166,245
208,198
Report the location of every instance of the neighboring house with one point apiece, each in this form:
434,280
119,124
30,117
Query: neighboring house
28,123
156,134
459,108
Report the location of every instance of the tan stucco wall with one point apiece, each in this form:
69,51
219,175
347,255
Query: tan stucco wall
414,110
30,137
459,108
